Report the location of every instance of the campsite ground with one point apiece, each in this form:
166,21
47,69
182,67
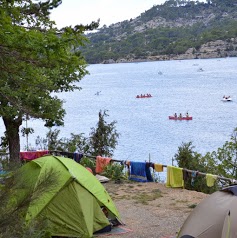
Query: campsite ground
151,209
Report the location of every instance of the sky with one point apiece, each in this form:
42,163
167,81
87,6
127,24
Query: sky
73,12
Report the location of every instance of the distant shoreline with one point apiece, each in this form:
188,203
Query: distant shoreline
212,50
162,58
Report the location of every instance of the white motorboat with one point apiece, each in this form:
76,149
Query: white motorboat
226,99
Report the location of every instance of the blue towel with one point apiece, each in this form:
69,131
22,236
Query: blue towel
138,171
77,157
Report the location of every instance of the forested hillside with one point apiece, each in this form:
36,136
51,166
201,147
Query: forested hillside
177,29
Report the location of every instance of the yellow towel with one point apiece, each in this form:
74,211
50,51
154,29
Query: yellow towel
210,178
174,177
158,167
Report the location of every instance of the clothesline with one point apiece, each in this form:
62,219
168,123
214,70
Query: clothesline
204,174
188,170
115,160
86,155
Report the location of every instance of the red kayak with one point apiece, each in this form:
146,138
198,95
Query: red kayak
180,118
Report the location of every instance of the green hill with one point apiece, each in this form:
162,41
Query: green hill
178,29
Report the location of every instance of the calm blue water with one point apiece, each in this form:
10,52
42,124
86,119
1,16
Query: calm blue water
143,124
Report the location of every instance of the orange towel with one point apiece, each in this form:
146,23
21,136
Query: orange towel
158,167
101,162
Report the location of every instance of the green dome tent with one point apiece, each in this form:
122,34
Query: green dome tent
71,203
214,217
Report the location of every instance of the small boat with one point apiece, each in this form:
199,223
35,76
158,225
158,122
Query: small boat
200,70
180,118
98,93
226,99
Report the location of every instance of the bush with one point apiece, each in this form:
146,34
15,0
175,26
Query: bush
13,207
115,171
187,158
90,163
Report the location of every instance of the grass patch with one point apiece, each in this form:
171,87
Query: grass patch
145,198
122,197
182,201
192,206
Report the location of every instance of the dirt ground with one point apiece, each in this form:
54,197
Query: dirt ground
151,209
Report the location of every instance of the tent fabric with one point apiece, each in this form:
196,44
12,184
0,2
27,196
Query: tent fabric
72,203
214,217
226,226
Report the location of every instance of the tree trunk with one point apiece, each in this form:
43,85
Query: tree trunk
13,138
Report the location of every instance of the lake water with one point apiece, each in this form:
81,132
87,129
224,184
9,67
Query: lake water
143,124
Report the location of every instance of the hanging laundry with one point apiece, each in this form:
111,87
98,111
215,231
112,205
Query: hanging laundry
148,172
127,168
138,171
158,167
186,175
101,162
31,155
210,179
128,163
174,177
194,174
77,157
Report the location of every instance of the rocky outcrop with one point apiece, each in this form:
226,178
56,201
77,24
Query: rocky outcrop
213,49
203,16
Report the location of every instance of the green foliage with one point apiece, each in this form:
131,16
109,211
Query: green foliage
192,206
90,163
74,143
187,158
13,207
222,162
103,138
136,39
226,157
115,171
37,61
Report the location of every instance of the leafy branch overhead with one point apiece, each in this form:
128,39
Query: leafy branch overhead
37,61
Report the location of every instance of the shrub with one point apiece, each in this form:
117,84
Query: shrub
187,158
115,171
90,163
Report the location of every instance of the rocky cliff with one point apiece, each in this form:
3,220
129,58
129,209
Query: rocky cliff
174,30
